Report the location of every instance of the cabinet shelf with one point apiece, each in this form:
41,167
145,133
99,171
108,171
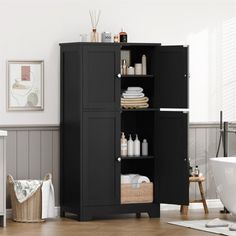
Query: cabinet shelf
140,109
137,76
137,157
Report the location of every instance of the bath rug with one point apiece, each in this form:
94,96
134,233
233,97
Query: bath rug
201,225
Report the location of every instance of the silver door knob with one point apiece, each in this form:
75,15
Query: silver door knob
119,159
119,76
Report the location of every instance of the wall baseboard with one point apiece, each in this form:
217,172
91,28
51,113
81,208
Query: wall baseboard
211,203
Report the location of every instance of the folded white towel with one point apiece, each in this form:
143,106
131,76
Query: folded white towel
126,179
48,199
140,95
139,89
132,92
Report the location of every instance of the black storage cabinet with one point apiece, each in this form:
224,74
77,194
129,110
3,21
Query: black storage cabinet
92,121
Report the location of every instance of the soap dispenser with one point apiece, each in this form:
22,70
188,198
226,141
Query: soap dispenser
124,147
130,146
136,146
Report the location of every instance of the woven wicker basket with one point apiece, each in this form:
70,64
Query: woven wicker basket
29,211
143,194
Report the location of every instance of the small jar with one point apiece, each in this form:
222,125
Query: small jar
116,38
196,171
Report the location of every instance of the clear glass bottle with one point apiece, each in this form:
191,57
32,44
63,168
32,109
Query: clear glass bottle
94,36
196,171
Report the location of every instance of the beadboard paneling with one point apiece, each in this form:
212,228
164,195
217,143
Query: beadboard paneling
203,143
32,152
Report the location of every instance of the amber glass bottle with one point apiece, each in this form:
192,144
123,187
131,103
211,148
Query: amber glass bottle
123,36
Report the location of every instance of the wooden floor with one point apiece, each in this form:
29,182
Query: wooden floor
120,226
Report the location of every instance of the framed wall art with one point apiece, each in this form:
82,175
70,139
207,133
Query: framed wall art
25,85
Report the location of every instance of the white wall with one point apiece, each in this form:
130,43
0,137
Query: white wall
31,29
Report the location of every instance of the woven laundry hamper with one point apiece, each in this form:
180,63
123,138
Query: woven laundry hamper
29,211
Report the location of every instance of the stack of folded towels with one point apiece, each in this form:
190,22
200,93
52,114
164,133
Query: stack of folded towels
134,97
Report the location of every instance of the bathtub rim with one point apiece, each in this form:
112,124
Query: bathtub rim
224,159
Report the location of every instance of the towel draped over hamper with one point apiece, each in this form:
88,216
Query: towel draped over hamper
31,200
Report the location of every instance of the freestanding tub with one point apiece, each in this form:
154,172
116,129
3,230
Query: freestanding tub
224,173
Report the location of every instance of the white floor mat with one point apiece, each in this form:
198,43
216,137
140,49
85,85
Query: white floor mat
200,225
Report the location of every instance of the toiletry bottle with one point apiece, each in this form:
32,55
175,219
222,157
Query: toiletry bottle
130,146
196,171
136,146
124,146
144,148
144,64
124,67
123,36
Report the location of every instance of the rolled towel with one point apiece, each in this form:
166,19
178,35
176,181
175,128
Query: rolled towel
138,179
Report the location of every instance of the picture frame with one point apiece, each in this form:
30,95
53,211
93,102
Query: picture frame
125,55
25,85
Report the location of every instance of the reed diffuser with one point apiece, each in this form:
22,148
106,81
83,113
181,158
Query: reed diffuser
94,16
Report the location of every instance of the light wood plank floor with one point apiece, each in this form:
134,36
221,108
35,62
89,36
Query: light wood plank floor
117,226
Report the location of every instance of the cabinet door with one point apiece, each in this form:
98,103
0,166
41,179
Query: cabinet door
172,153
101,170
101,88
172,77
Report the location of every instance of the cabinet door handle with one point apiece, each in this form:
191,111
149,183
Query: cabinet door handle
119,76
119,159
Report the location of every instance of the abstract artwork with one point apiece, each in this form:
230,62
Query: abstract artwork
25,85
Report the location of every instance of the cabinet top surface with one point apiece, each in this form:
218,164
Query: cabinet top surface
111,43
3,133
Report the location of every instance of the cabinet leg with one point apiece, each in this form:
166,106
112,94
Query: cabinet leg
83,217
62,213
154,214
138,215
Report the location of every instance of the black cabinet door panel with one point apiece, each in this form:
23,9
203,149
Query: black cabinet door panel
172,77
101,176
172,151
100,69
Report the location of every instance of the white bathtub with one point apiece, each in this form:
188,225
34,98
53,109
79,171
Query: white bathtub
224,172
